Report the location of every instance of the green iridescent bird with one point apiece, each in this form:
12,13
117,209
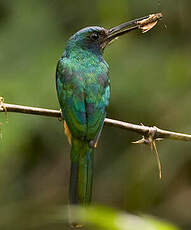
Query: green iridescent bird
83,88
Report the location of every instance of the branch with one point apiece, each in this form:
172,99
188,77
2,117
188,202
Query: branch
145,131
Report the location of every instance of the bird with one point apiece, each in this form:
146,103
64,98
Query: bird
83,90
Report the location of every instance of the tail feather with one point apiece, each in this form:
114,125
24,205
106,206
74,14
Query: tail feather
81,174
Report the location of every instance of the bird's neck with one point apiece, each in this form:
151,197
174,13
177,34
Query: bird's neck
83,53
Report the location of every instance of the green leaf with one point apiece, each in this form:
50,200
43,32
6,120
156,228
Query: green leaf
109,219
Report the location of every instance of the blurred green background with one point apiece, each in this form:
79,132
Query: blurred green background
151,84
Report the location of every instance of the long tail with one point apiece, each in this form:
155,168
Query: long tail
81,173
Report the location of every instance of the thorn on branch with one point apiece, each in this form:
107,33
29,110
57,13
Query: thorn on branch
3,108
151,139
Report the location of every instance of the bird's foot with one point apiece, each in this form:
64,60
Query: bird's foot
93,144
60,118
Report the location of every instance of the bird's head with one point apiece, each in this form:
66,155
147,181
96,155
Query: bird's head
96,38
91,38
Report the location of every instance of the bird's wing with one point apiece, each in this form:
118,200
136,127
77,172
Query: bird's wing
83,99
70,91
97,99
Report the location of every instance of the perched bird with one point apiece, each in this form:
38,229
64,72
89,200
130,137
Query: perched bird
83,89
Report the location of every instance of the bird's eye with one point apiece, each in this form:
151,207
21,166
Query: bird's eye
94,36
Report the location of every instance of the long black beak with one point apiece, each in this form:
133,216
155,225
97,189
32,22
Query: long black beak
144,23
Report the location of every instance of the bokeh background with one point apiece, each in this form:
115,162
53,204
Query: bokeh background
151,84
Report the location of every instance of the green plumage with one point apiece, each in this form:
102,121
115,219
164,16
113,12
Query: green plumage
81,172
83,92
83,89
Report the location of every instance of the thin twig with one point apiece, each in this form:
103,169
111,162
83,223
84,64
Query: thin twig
143,130
154,147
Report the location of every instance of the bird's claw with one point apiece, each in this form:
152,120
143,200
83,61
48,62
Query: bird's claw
60,118
93,144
